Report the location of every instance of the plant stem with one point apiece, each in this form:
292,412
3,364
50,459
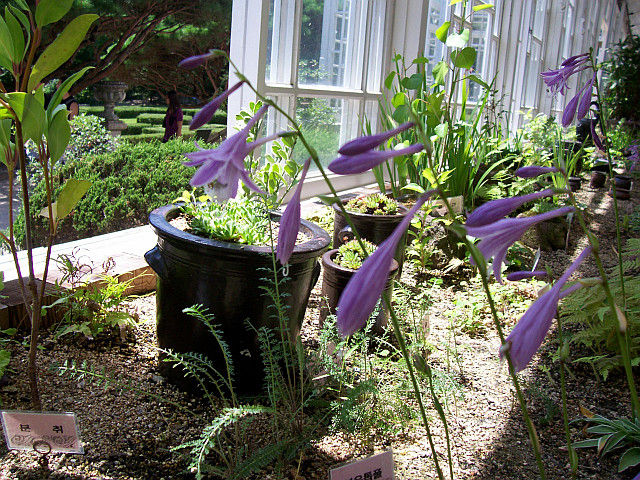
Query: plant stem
565,414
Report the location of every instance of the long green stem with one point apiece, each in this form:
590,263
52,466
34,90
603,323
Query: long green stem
573,459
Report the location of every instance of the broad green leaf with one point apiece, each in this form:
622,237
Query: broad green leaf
465,58
389,80
22,4
477,8
69,197
64,88
6,42
61,49
22,18
5,132
401,114
441,130
58,134
420,60
414,82
442,31
398,99
17,35
453,2
34,119
413,187
440,72
49,11
630,458
458,40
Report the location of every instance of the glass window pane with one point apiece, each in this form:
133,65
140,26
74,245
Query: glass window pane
532,75
280,42
539,18
332,43
376,46
319,120
480,31
434,48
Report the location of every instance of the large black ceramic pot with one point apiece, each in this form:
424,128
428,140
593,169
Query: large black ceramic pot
334,280
226,279
375,228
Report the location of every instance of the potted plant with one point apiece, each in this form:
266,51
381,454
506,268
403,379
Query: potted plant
339,265
227,276
374,217
217,251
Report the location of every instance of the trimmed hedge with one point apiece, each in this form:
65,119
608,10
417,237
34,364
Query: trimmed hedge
126,185
132,111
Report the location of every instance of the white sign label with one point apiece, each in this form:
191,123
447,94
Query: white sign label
43,432
377,467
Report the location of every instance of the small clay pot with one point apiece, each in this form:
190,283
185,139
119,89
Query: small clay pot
574,183
597,179
623,182
334,280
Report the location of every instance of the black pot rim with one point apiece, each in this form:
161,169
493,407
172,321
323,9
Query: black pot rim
158,219
403,212
327,261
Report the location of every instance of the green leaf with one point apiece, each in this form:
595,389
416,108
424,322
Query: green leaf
389,80
64,88
465,58
442,31
22,4
458,40
49,11
5,358
478,80
630,458
17,35
61,49
22,18
420,364
420,60
401,114
6,42
414,82
413,187
34,120
69,197
5,132
398,99
453,2
328,199
440,72
441,130
58,134
477,8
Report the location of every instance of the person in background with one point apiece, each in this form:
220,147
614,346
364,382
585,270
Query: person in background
172,122
72,104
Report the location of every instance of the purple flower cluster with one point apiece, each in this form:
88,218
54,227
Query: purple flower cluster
557,81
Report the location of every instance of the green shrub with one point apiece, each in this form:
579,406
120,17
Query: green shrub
133,111
126,185
623,93
133,130
88,137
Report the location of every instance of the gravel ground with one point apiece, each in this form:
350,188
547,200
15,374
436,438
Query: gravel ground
127,435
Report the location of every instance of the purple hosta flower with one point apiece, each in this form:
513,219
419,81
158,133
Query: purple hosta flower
195,61
290,222
533,171
361,294
497,209
362,162
578,106
205,113
225,164
557,80
497,237
363,144
522,275
527,336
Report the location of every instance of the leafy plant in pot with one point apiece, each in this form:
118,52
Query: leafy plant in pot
374,217
339,265
226,274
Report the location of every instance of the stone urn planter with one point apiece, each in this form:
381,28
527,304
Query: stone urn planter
375,228
225,278
334,280
110,93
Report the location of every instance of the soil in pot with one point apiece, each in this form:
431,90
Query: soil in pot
226,279
373,227
335,278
